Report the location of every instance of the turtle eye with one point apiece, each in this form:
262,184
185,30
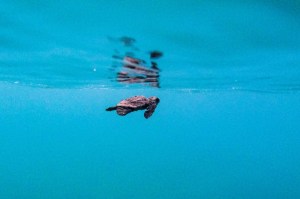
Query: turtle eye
157,100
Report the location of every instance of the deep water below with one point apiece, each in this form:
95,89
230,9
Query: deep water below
60,143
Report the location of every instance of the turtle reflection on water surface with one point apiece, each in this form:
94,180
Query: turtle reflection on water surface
134,104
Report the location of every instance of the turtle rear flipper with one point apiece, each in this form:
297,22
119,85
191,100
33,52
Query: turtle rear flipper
123,110
150,110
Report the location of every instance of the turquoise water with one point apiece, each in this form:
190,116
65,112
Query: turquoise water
227,125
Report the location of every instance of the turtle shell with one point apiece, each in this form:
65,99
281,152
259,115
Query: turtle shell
134,102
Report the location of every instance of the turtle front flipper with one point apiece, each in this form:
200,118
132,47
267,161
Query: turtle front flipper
111,108
150,110
123,110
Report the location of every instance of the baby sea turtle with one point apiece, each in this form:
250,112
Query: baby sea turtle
134,104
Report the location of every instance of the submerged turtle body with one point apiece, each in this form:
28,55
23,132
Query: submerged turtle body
134,104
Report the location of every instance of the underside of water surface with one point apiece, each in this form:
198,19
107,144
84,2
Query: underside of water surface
248,45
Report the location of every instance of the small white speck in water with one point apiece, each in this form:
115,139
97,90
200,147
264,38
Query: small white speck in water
16,82
94,69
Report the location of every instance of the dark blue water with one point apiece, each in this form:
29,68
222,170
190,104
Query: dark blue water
227,125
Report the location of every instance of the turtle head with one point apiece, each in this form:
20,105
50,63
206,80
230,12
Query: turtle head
154,99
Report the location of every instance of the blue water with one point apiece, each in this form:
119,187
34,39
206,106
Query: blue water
227,125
